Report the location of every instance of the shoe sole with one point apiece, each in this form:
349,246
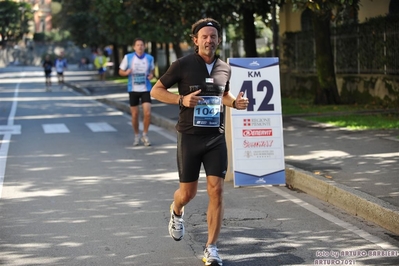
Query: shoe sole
213,263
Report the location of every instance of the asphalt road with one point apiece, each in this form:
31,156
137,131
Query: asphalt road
76,192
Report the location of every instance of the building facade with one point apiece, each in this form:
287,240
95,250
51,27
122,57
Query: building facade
291,21
41,16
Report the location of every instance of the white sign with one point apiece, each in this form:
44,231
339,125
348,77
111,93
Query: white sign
257,132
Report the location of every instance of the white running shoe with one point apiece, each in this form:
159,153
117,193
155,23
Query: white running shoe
211,256
136,140
146,141
176,224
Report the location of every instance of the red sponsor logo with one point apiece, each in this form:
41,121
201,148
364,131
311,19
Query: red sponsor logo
267,132
256,122
258,144
246,122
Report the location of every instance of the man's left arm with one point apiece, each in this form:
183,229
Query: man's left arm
152,69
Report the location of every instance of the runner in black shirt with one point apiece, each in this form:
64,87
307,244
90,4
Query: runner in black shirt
48,67
203,84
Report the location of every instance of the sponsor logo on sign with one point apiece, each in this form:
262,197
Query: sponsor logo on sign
258,144
259,154
257,132
256,122
260,181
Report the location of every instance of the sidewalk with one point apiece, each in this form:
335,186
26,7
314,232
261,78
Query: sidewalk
357,171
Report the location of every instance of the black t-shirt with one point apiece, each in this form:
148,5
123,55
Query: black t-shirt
47,65
191,70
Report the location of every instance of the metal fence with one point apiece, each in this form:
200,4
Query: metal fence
367,48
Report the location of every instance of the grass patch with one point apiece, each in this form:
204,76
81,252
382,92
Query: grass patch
120,80
361,122
305,106
365,120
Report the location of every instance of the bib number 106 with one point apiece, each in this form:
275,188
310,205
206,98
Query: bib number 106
247,88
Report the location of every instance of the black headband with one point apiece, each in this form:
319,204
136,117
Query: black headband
205,24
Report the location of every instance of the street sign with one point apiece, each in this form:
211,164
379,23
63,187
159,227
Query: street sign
257,132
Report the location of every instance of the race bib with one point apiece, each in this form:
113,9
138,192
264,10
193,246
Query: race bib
139,78
207,112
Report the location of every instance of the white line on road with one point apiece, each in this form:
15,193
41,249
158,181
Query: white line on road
55,128
5,142
100,127
363,234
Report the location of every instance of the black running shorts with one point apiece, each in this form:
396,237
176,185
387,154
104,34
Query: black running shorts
134,97
194,149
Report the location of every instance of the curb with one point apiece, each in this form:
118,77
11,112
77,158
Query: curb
352,201
78,88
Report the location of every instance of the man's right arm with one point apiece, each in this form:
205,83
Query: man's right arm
161,93
123,66
124,73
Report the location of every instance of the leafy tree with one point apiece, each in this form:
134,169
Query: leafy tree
102,22
14,20
97,23
156,16
322,14
80,19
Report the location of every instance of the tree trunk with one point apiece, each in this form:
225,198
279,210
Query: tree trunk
124,49
275,52
327,91
177,49
116,61
167,54
249,33
154,51
234,47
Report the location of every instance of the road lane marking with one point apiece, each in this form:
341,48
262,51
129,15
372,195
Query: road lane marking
5,142
347,226
100,127
13,129
55,128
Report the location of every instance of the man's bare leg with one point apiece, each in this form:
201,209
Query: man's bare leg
135,119
146,116
183,195
215,208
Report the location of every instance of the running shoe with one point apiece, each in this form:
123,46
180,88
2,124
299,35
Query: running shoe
146,141
176,224
211,256
136,140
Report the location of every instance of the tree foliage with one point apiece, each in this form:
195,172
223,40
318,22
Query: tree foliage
160,21
14,20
